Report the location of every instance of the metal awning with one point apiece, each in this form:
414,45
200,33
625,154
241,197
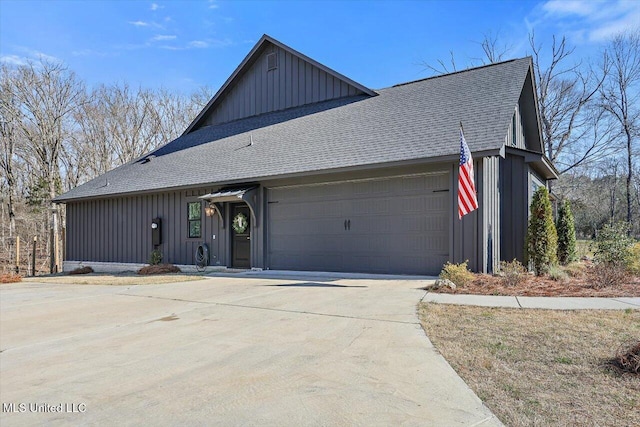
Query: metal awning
249,195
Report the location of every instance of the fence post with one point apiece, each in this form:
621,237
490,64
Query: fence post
17,254
33,256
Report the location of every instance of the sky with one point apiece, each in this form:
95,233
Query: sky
182,45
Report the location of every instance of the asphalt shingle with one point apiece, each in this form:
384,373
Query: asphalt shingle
417,120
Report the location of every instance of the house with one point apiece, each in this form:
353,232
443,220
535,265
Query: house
293,166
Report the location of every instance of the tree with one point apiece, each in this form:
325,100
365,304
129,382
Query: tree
620,96
566,234
47,94
542,239
572,132
9,116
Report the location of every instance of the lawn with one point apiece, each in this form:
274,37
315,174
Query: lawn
540,367
123,279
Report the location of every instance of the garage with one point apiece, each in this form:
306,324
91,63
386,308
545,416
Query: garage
397,225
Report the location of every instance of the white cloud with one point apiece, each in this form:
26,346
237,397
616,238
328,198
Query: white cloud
593,20
199,44
573,7
156,6
87,52
213,4
13,60
164,37
139,23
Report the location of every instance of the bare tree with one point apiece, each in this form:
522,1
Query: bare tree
9,116
47,94
565,92
620,97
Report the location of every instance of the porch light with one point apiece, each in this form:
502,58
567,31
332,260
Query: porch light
209,210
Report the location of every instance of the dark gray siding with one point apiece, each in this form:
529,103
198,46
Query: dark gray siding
515,135
514,209
476,238
293,83
119,229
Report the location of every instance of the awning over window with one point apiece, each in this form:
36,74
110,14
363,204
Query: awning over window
249,195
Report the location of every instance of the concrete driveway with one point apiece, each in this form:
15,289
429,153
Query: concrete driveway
234,351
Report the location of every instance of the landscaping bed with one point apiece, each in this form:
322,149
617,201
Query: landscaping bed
578,280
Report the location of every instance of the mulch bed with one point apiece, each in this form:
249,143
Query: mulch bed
533,286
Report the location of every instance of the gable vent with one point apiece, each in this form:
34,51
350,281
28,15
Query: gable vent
272,61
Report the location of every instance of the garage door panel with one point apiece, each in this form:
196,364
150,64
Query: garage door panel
397,225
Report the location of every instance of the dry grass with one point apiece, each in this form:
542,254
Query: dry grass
540,367
125,279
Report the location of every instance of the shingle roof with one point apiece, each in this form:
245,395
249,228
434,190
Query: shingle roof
416,120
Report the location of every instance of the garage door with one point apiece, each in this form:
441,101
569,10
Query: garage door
394,225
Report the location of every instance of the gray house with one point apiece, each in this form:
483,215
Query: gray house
293,166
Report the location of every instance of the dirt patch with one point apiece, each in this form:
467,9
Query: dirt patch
580,282
125,279
10,278
540,367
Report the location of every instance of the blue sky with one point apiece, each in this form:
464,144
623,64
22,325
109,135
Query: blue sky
181,45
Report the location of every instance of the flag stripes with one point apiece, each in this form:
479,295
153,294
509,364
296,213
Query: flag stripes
467,200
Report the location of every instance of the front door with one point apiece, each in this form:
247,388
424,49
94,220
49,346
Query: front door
240,236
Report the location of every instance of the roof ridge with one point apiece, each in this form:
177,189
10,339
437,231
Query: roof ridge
459,71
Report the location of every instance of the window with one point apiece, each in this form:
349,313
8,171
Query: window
195,219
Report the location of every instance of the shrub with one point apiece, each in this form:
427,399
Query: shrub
155,257
613,245
607,275
10,278
457,273
159,269
566,234
542,239
575,269
513,272
82,270
634,264
558,274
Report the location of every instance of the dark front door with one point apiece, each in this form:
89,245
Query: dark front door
240,236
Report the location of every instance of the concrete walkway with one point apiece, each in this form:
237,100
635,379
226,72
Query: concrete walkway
551,303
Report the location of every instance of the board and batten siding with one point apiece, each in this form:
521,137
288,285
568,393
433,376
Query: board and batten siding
514,209
515,135
476,238
294,82
119,229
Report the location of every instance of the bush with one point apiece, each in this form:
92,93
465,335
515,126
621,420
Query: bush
542,239
558,274
10,278
513,272
159,269
613,245
457,273
155,257
634,264
608,275
566,234
82,270
575,269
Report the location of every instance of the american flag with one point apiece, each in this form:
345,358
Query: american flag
467,200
